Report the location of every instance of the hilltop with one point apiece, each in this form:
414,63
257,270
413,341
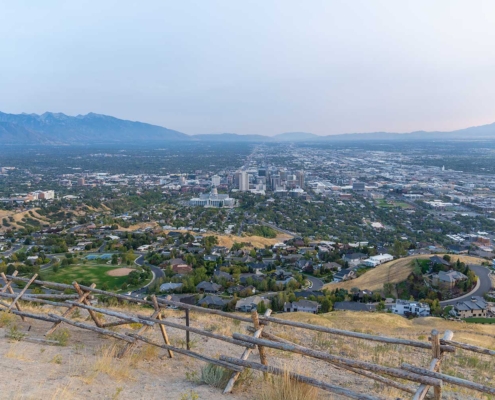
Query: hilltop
85,365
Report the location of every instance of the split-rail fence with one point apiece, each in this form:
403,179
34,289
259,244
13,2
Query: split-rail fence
260,339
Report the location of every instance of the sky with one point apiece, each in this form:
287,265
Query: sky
254,67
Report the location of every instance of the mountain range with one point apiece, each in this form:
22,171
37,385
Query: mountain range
57,128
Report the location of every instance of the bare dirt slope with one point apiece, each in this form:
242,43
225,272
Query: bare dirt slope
86,369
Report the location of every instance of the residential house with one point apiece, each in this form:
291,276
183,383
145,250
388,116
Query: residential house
407,307
354,259
223,275
475,307
244,278
447,280
439,260
249,303
377,260
344,275
332,266
212,302
211,257
302,306
458,249
220,250
208,287
253,267
168,287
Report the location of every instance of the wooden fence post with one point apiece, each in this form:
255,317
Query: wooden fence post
73,308
162,327
188,343
80,292
14,302
435,364
8,287
257,326
245,355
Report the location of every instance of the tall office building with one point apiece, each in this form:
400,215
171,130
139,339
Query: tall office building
243,181
215,180
300,178
275,181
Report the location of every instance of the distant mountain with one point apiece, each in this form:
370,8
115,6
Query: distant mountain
58,128
229,137
295,137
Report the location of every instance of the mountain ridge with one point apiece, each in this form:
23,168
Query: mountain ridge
59,128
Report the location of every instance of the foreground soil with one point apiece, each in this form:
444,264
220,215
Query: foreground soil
85,368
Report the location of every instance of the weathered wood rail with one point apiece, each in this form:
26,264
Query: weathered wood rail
261,339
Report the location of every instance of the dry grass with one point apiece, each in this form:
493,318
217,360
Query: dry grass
108,363
17,352
285,388
392,272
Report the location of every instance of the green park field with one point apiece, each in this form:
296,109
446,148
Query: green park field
86,274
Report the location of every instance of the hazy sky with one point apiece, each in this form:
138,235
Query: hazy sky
261,67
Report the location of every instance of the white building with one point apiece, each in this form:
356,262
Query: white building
406,307
377,260
215,180
212,199
243,181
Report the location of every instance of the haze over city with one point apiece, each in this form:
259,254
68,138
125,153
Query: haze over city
325,67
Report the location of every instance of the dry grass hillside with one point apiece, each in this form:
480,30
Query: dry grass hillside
85,366
255,241
14,219
392,272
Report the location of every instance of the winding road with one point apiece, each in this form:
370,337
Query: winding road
484,286
315,283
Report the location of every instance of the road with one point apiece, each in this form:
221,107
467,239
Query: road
278,229
14,248
157,273
102,247
53,260
314,283
485,285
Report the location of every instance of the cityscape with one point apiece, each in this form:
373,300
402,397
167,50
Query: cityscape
263,200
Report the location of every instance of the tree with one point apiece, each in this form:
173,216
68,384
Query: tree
398,249
261,307
380,306
326,305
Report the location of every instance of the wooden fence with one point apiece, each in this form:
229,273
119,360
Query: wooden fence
260,339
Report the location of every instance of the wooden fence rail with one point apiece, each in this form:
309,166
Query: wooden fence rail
261,339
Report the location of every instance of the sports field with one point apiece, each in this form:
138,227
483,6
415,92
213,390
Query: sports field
86,274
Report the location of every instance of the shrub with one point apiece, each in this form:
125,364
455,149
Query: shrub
14,333
62,336
6,319
215,376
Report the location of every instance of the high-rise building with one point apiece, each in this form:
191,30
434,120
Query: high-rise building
243,181
300,178
81,182
215,180
275,181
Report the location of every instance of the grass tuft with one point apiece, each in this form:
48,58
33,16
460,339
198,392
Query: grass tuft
285,388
